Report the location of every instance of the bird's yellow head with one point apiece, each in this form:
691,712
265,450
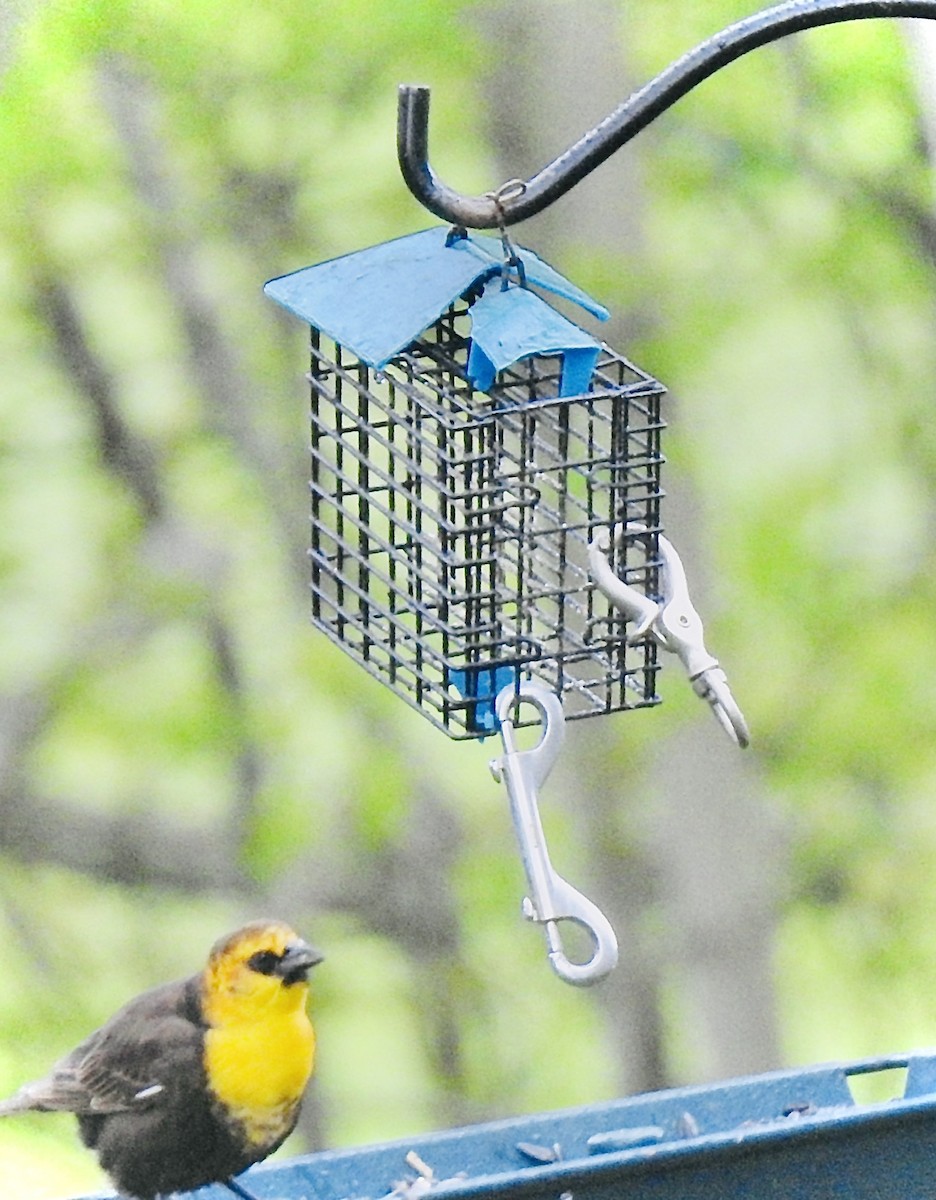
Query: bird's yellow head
256,971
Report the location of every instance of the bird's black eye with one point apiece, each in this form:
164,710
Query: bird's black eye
264,962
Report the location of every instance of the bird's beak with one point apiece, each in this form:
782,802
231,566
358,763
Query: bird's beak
297,962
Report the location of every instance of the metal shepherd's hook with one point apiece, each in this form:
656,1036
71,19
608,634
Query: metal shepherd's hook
529,197
551,899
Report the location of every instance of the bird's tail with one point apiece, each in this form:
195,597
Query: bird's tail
19,1102
41,1096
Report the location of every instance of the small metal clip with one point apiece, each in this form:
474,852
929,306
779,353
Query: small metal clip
511,190
551,899
674,624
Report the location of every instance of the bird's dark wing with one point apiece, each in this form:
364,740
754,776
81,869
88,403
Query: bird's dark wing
128,1063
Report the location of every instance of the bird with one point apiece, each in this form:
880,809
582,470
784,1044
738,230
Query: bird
193,1081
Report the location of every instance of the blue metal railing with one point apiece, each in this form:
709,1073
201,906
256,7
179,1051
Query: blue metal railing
788,1134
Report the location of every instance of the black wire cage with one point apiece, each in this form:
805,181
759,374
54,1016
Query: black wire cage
450,524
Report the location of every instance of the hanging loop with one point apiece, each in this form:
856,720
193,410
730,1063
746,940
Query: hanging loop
509,205
550,898
512,260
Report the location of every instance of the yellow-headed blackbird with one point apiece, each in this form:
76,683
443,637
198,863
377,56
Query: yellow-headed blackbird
193,1081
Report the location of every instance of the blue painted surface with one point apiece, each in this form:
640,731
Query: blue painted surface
482,686
509,324
788,1135
377,301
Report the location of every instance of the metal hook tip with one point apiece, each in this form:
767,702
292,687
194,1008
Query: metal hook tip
598,967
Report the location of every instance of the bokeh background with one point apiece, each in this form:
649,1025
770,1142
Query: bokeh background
180,751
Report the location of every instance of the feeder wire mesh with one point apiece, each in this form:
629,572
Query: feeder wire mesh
450,526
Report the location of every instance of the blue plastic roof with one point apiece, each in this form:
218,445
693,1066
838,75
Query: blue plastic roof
376,301
510,324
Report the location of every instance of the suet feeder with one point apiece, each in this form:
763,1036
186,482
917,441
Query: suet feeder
467,441
486,492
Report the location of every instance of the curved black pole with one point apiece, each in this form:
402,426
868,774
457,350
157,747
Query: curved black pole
517,202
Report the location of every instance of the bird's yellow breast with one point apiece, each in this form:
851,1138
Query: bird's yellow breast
258,1071
259,1042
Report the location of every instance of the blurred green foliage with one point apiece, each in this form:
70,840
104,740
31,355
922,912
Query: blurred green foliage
158,680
